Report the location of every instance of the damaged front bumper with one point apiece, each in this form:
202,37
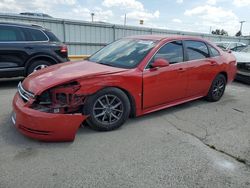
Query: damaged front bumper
243,72
44,126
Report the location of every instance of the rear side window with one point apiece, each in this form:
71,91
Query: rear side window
196,50
11,34
51,36
172,52
213,52
35,35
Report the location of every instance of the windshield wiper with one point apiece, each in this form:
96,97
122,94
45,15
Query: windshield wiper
104,63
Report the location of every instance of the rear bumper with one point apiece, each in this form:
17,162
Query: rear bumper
44,126
62,60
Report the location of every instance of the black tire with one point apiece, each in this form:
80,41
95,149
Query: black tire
106,115
34,66
217,88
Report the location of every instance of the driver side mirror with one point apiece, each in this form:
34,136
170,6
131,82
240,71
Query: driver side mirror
160,62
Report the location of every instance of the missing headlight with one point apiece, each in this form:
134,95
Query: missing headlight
60,99
44,98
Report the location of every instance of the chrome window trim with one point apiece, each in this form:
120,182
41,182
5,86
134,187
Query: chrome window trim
183,40
25,40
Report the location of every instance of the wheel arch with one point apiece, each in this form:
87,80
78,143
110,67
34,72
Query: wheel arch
131,100
127,93
40,57
224,73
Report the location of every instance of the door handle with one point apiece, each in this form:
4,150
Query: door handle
182,69
213,63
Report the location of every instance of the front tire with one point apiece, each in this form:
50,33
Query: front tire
108,109
217,88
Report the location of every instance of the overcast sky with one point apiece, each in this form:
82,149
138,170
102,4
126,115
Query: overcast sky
188,15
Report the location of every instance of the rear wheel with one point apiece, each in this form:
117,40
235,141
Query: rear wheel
217,88
108,109
37,65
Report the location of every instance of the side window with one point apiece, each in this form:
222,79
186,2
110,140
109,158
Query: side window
214,52
35,35
11,34
196,50
51,36
172,52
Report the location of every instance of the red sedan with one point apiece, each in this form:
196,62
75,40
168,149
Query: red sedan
130,77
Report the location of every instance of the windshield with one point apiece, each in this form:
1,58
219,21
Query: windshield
247,49
223,46
124,53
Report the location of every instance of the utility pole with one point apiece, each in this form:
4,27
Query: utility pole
125,19
125,22
92,16
241,25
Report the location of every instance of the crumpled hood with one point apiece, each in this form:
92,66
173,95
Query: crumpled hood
65,72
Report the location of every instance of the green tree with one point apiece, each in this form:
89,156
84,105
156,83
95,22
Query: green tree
220,32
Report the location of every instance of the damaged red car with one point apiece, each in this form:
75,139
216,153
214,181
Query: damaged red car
127,78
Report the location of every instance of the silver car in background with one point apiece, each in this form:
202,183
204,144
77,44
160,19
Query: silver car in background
243,66
234,46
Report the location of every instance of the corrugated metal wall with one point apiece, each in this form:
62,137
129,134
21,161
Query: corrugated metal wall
86,37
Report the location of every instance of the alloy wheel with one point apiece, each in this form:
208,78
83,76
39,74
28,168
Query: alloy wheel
108,109
39,67
218,88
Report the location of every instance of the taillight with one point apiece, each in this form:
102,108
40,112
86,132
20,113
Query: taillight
64,49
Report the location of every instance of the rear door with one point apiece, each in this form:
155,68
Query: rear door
12,51
166,84
201,68
38,41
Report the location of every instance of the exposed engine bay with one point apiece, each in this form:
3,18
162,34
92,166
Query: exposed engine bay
62,99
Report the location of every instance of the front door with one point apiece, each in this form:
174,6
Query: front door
166,84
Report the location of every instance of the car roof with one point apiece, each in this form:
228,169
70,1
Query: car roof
22,25
228,42
35,14
164,37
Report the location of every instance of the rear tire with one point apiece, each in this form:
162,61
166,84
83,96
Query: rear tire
108,109
37,65
217,88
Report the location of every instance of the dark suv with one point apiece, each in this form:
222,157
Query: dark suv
28,48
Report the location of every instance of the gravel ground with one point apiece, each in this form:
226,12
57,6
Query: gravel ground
197,144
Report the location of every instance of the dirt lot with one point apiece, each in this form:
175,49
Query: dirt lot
197,144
